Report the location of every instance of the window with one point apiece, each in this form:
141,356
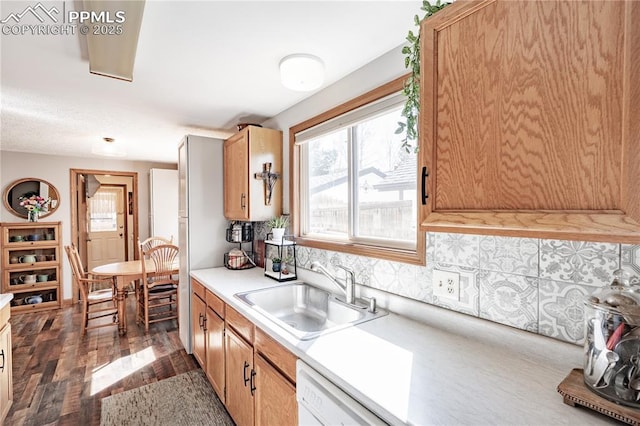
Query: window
354,185
103,212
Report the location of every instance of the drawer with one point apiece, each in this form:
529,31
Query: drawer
198,289
215,303
240,324
276,354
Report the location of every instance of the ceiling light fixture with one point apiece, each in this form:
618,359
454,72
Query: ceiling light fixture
301,72
108,148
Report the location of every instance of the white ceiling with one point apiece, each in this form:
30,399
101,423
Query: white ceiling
201,67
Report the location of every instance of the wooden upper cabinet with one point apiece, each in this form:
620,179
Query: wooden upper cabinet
530,123
245,154
236,182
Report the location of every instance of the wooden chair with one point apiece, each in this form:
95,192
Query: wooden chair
151,242
158,293
96,304
143,248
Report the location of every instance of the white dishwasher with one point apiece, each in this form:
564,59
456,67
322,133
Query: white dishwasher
320,402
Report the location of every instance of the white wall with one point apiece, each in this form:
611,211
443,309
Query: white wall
55,169
382,70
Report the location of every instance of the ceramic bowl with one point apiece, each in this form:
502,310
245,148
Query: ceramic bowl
32,300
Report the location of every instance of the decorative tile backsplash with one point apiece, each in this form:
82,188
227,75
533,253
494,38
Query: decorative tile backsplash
456,249
579,262
561,310
510,255
509,299
532,284
630,258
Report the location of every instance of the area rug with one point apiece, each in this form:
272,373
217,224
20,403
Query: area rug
185,400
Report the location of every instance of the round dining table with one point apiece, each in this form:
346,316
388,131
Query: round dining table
125,272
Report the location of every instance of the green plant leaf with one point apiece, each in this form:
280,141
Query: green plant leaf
411,87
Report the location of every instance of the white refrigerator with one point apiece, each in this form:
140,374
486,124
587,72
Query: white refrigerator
201,222
163,209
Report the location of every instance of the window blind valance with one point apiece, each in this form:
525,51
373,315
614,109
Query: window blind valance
351,118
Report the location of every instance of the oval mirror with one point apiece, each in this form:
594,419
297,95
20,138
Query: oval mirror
25,188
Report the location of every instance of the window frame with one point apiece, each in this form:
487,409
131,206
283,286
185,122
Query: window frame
415,256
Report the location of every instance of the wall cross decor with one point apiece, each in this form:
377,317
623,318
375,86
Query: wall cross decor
269,180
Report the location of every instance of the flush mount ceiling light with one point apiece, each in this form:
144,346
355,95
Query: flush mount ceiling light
108,148
301,72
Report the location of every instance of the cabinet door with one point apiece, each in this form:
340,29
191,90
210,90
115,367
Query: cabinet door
236,175
531,147
239,369
198,323
215,352
6,392
275,396
265,147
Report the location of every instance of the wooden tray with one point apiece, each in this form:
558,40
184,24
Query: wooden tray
575,392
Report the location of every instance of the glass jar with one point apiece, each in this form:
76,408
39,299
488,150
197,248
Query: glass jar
612,341
33,215
247,232
236,233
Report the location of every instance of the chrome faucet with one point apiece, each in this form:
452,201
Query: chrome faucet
348,287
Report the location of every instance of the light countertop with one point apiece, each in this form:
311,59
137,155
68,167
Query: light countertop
452,369
5,298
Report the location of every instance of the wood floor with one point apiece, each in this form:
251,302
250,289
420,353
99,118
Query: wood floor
59,377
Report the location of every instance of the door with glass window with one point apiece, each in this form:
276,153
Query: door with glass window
106,226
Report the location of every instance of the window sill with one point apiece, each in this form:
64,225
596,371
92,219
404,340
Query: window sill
414,257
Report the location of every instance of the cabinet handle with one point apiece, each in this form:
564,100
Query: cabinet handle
253,385
243,201
204,322
244,373
2,355
200,321
425,174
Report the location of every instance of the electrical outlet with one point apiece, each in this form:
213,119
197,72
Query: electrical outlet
446,284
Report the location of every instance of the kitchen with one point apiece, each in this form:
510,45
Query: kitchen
547,302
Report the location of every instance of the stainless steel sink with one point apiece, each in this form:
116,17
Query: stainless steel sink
306,311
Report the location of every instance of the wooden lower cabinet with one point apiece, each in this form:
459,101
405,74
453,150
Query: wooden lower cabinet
240,378
253,375
198,324
275,397
215,366
6,386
